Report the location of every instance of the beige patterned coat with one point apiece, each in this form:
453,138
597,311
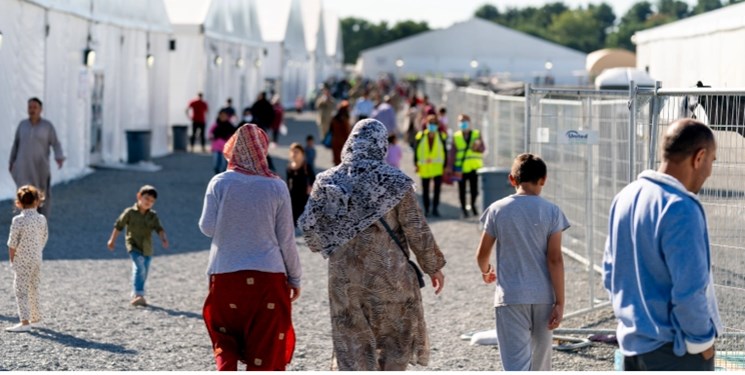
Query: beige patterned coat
377,316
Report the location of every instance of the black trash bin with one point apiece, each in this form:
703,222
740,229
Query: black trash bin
138,146
495,185
180,137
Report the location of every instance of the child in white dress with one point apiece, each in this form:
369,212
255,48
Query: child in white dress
28,235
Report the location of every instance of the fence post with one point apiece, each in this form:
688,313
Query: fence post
526,130
654,114
589,212
632,131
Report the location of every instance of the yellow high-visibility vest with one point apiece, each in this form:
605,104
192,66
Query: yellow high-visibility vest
431,161
473,160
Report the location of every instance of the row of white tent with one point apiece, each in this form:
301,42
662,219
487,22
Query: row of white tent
104,67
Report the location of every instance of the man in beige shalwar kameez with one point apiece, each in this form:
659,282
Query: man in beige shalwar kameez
29,157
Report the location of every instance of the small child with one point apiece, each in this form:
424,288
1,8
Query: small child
529,298
300,178
28,235
393,157
140,221
310,153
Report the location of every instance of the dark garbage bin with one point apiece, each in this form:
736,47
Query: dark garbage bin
180,137
495,185
138,146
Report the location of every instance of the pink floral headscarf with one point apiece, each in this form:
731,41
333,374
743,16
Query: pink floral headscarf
246,152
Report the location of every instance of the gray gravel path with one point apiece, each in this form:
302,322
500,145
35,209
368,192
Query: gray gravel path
85,288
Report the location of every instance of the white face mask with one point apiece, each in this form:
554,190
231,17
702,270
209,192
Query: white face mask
248,118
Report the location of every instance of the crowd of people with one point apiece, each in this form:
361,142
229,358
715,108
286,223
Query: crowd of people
364,217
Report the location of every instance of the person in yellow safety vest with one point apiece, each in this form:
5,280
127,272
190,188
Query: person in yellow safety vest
466,156
430,157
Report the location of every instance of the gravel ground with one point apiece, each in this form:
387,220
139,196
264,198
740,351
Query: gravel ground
85,288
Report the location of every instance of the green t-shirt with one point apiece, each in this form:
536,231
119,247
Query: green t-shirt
139,229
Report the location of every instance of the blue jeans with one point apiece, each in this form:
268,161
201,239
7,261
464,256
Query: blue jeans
218,162
140,267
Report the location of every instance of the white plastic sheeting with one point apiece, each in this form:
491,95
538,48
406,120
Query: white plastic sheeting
42,56
707,48
495,48
219,51
620,79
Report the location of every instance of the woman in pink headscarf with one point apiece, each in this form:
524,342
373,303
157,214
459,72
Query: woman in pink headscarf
254,268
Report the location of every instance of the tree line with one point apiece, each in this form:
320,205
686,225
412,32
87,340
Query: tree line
582,28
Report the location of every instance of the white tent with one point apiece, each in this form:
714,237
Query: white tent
707,48
42,54
218,51
334,47
288,61
620,79
475,47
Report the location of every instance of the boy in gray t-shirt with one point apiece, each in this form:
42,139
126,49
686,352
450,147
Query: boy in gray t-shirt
529,271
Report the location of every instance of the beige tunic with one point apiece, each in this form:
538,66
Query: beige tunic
377,316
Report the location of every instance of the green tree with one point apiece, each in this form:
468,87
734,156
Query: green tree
675,8
488,12
578,29
704,6
360,34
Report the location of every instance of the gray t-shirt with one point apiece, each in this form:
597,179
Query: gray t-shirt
522,225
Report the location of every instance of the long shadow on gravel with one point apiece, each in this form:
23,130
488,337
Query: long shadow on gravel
4,318
176,313
76,342
84,210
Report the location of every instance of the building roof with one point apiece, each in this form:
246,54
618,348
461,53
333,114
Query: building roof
136,14
728,18
602,59
234,20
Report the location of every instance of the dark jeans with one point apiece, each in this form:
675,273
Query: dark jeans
663,359
425,193
194,127
473,180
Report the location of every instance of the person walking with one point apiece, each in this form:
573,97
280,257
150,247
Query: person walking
28,236
29,155
197,112
466,157
300,179
254,268
220,132
263,113
340,129
657,260
363,107
363,216
325,108
386,114
529,295
430,158
279,115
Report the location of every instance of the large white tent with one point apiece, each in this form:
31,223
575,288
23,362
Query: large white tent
218,50
334,45
475,47
288,61
707,48
42,55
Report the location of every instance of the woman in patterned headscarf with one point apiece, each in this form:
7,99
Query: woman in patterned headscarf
377,316
254,267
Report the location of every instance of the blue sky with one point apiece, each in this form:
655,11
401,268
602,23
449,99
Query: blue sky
442,13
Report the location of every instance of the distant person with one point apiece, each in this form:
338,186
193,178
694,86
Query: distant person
340,129
412,115
299,104
263,113
325,109
29,156
28,235
657,262
279,115
220,132
247,117
364,107
430,158
363,216
197,112
466,157
442,116
529,270
140,221
300,178
386,114
229,109
394,155
310,152
254,268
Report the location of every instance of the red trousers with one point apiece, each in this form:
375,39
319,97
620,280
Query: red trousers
249,318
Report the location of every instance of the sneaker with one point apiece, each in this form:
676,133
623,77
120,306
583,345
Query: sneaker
20,327
139,301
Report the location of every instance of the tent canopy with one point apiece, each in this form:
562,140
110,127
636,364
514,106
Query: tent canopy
131,14
728,18
609,58
229,20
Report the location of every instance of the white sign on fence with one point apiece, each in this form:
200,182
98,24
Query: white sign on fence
578,137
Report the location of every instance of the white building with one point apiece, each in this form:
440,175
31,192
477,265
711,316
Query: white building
123,88
475,47
707,48
218,50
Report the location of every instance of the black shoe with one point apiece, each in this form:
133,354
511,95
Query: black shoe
426,214
435,214
475,213
464,214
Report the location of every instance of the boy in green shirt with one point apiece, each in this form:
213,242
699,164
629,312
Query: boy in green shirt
140,221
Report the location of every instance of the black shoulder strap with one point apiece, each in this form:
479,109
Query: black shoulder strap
393,236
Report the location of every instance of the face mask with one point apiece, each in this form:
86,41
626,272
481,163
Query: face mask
432,127
463,125
248,118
